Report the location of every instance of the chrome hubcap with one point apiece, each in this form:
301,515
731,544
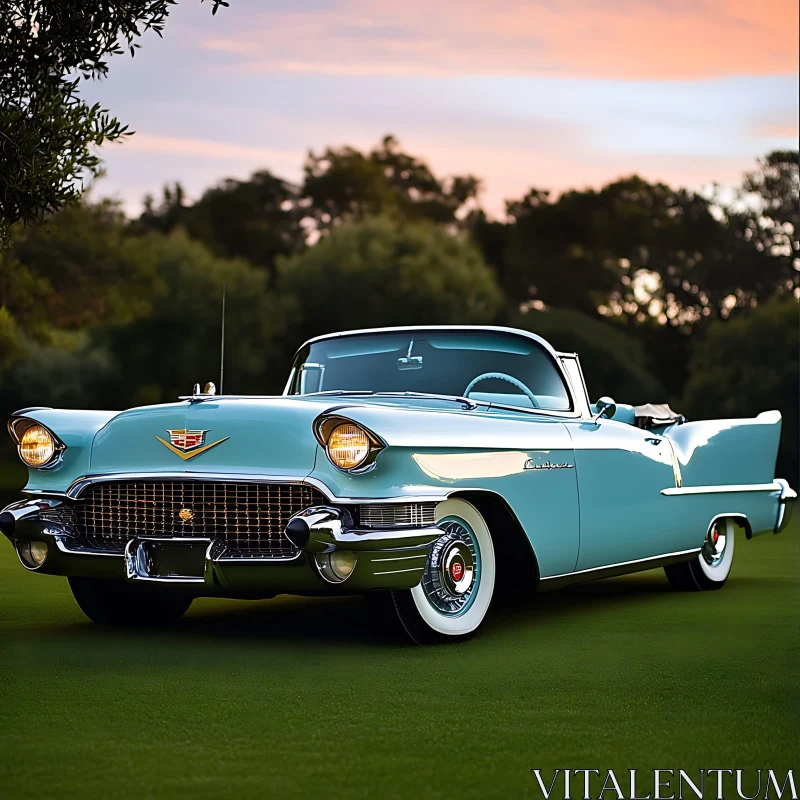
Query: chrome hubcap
714,546
452,571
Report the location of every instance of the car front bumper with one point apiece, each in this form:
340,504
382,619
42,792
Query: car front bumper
384,559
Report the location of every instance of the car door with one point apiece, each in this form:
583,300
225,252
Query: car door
621,471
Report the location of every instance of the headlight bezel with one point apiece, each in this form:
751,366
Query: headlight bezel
19,426
325,425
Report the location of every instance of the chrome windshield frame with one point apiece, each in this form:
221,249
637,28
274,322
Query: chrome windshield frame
574,410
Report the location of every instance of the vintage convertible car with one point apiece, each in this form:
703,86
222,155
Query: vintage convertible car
438,465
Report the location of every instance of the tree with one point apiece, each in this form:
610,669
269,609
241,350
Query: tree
636,251
347,185
257,219
613,362
383,272
163,353
769,213
46,130
748,365
79,269
9,341
166,346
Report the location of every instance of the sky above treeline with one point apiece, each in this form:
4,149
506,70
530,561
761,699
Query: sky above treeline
555,94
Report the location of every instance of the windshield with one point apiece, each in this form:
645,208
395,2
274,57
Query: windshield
488,366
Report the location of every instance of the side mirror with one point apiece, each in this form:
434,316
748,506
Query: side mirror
606,407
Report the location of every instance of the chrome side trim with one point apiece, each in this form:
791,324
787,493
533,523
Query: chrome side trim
400,558
746,487
621,564
398,571
676,465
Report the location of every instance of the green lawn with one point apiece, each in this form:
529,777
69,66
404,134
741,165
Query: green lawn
299,698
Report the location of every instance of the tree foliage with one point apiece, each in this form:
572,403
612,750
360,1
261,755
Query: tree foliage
80,269
46,129
164,352
344,185
257,219
748,365
633,249
613,362
770,212
384,272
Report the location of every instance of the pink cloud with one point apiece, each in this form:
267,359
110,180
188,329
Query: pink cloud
203,148
615,39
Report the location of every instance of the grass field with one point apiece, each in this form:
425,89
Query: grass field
311,698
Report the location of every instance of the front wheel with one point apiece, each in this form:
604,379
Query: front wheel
712,566
109,602
452,599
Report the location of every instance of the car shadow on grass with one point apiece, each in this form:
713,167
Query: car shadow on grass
363,620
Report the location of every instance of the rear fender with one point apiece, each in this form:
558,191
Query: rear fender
727,452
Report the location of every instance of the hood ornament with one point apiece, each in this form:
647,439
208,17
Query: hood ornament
210,389
188,444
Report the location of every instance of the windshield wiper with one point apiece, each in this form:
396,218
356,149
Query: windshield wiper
469,405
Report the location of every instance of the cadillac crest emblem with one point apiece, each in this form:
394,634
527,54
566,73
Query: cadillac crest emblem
188,444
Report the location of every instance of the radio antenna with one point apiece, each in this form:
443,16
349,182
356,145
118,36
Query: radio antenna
222,345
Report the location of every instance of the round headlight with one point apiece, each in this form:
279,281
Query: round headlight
37,446
348,446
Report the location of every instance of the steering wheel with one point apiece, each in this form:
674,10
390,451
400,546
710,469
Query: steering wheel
503,377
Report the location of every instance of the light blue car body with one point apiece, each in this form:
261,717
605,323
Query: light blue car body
589,493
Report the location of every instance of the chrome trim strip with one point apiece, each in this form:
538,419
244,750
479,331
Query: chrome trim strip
622,564
255,560
77,487
401,558
746,487
676,465
85,551
785,504
398,571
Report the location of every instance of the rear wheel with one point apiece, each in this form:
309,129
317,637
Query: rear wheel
457,586
710,569
109,602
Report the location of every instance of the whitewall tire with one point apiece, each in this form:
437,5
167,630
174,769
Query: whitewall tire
453,598
712,566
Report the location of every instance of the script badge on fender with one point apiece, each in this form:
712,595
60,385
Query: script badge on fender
188,444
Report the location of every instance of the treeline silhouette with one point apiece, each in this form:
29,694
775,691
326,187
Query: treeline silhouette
666,294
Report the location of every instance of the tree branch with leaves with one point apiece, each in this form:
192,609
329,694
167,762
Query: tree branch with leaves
47,131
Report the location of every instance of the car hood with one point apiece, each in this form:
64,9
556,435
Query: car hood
228,436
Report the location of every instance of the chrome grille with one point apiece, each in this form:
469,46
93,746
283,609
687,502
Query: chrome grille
391,514
246,516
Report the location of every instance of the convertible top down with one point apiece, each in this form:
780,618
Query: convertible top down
439,465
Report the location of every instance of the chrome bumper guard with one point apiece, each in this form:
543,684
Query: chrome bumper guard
385,558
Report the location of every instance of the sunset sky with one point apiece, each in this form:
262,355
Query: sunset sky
553,94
